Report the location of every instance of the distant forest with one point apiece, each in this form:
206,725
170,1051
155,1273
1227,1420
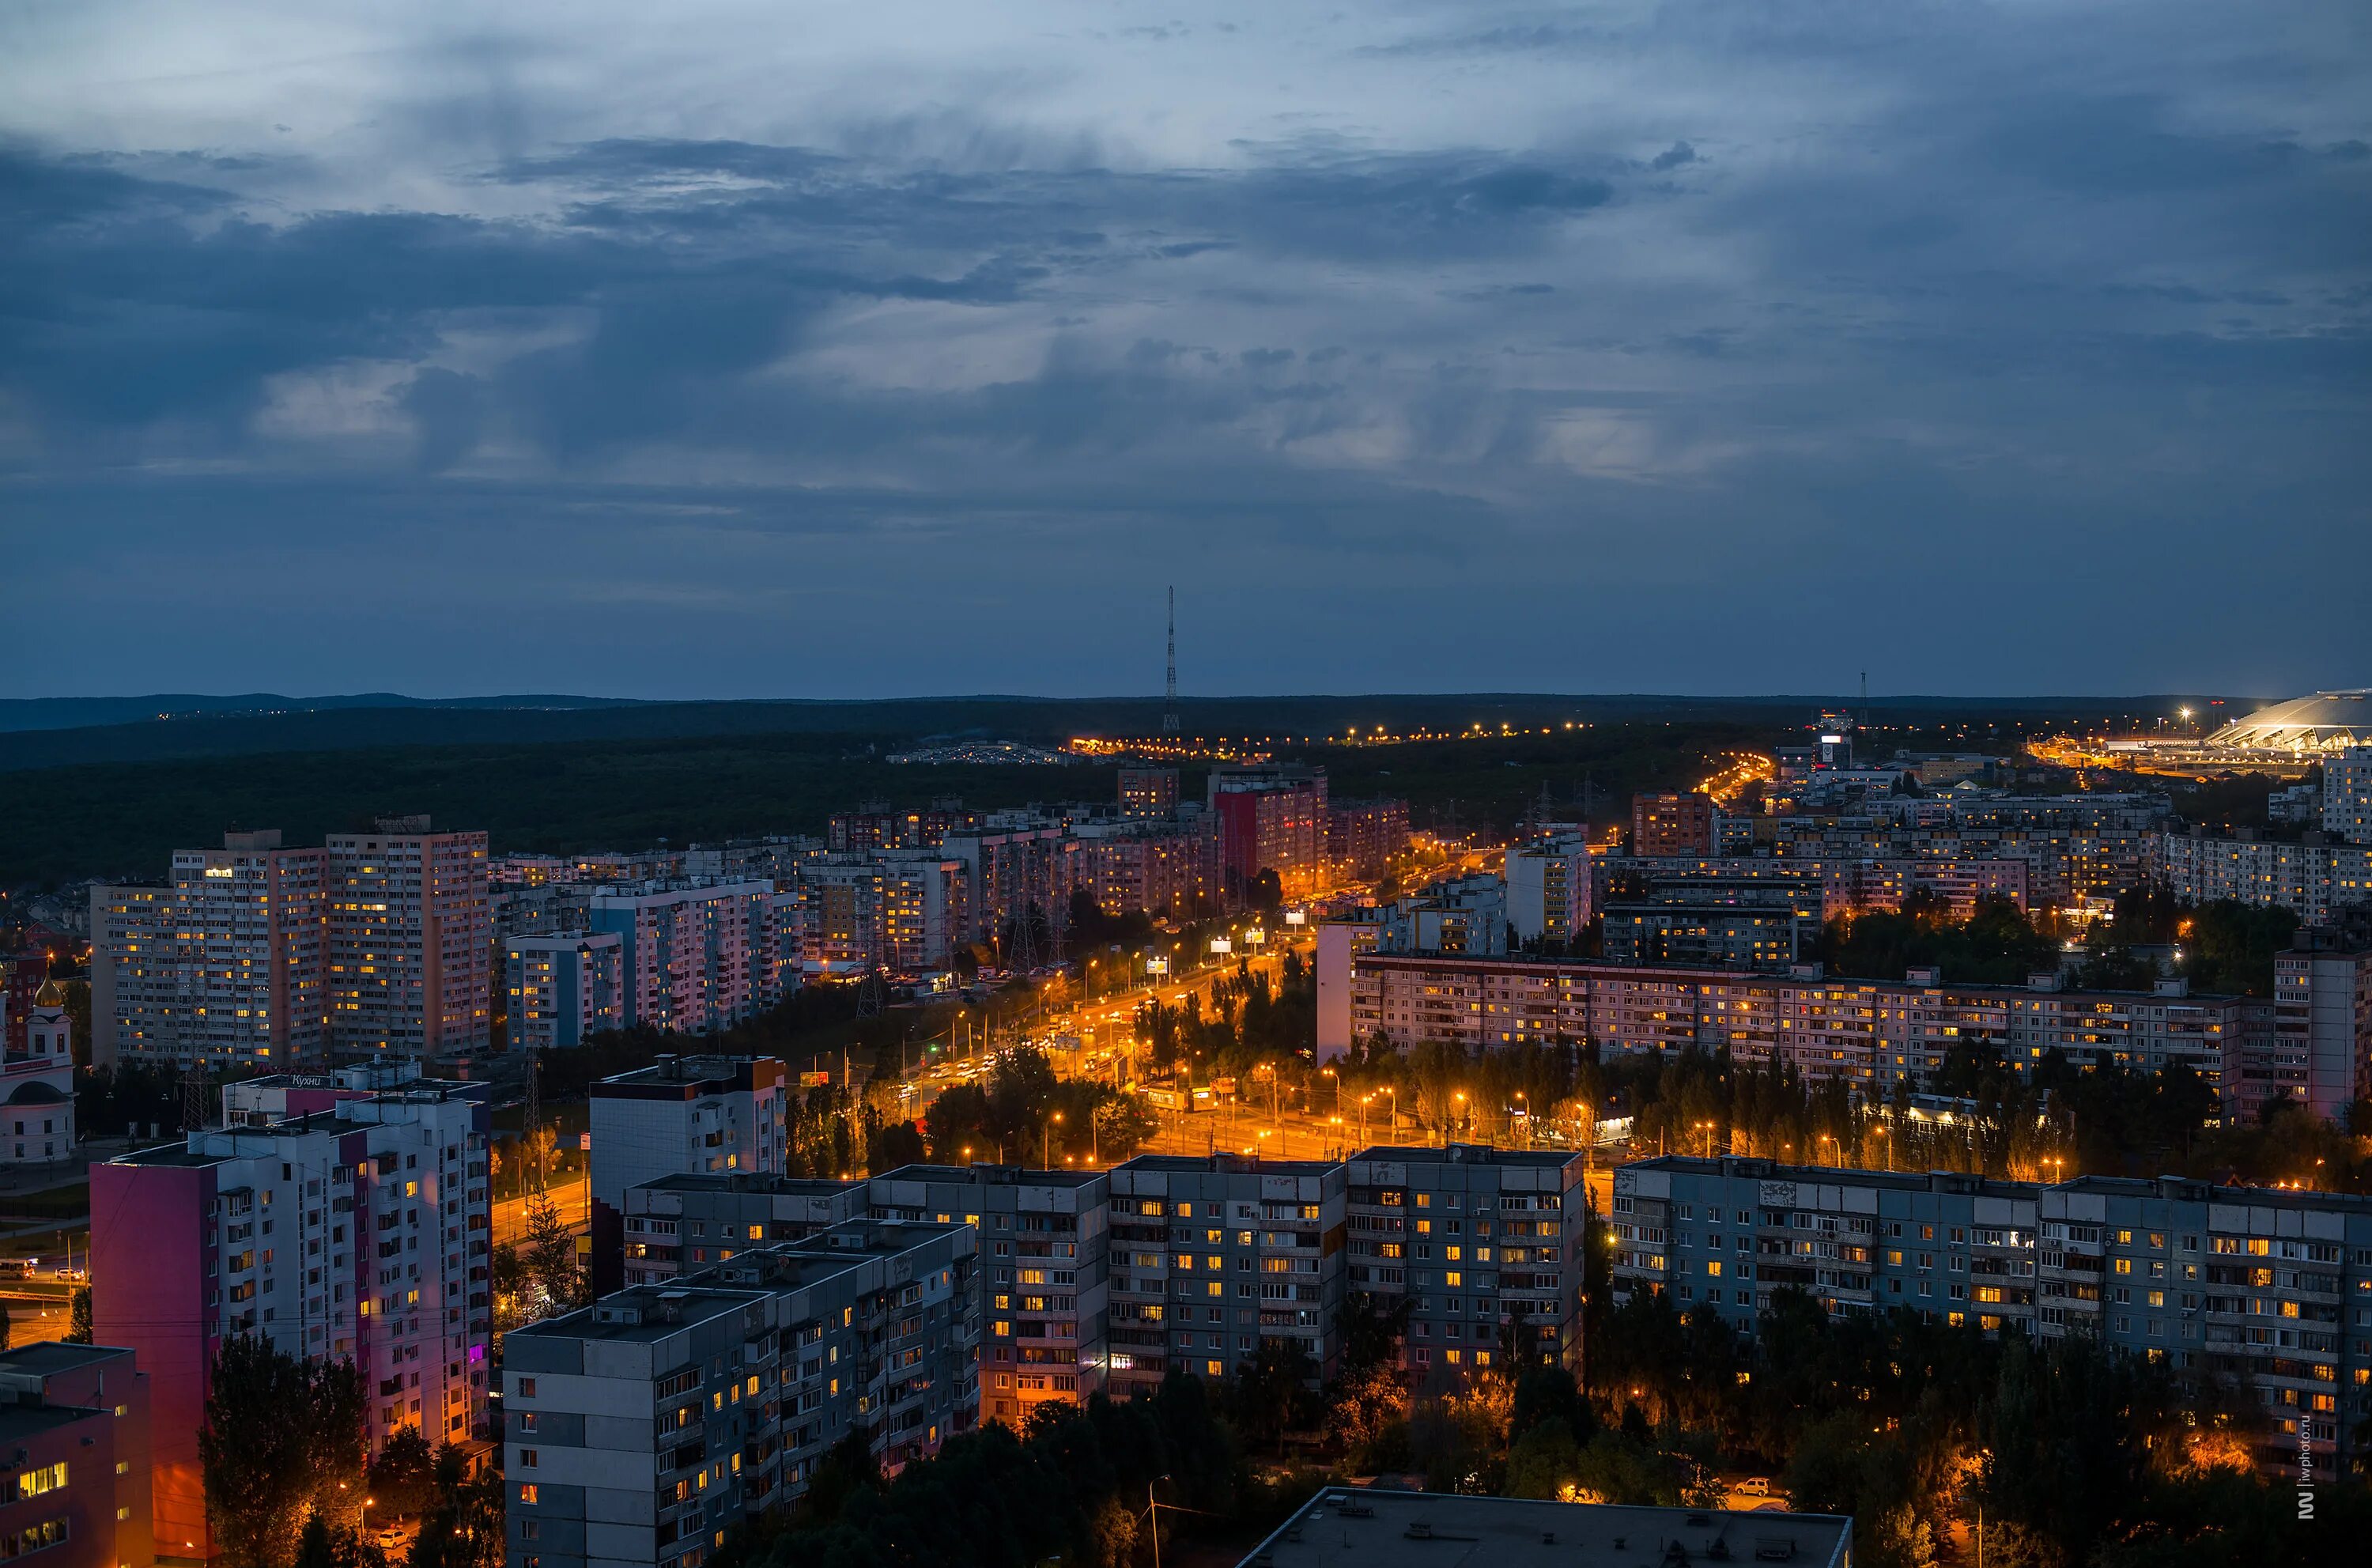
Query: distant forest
123,821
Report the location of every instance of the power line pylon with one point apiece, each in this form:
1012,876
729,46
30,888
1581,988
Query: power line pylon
1170,713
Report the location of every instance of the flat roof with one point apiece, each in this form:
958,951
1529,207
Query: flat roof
1466,1154
660,1310
983,1173
1365,1528
1230,1165
47,1357
748,1181
25,1419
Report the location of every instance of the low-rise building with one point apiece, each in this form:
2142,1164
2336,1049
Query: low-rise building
1373,1528
37,1102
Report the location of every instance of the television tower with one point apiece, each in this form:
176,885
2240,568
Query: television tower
1169,714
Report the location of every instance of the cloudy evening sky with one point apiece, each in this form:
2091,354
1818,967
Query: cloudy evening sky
741,350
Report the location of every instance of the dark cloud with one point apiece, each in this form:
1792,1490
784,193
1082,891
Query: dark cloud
1951,317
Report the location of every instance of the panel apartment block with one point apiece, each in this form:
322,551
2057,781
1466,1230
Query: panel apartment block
1208,1256
359,1231
641,1429
2272,1289
410,941
1484,1245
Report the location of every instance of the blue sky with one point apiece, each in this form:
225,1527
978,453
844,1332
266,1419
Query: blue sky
736,350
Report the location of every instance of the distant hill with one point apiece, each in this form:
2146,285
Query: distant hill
82,712
67,732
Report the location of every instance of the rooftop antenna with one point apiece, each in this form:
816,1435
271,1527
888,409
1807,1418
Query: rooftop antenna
1169,714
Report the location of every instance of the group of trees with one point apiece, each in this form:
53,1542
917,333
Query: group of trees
2076,1453
1075,1485
286,1456
1998,945
1022,1112
1251,1023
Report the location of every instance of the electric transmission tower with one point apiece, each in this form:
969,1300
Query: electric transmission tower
1170,713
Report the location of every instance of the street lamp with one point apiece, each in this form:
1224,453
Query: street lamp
1045,1141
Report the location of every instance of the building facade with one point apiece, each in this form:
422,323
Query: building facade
1865,1032
1549,893
360,1232
411,952
1209,1257
1484,1246
73,1420
2268,1288
1671,824
226,965
693,959
681,1116
37,1101
640,1431
562,990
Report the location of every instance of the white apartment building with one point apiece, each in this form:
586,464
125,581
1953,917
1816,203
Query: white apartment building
681,1116
2313,880
357,1231
696,958
1548,887
562,990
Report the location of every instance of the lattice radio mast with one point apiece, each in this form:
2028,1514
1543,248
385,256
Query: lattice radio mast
1170,713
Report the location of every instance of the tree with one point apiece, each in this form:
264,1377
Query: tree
278,1432
463,1524
78,1318
1544,1462
4,1328
319,1546
550,1260
403,1479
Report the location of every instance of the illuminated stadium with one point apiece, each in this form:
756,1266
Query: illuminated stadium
2324,722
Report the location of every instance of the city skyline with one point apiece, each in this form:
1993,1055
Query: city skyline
598,352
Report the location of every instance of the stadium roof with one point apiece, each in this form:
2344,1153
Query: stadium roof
2320,722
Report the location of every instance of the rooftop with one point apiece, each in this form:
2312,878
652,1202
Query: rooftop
640,1313
982,1173
1467,1153
44,1358
1360,1528
1237,1165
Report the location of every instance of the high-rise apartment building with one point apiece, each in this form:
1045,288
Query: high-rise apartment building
356,1232
1867,1031
695,958
560,990
1043,1246
226,965
2319,1054
410,941
1148,792
1272,816
680,1225
641,1429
